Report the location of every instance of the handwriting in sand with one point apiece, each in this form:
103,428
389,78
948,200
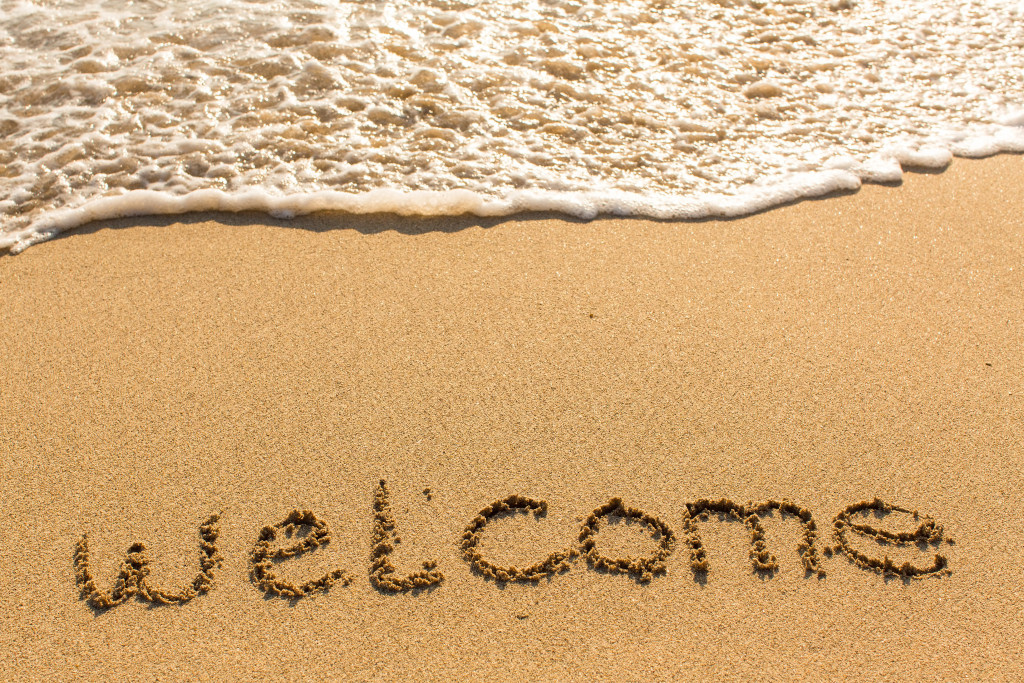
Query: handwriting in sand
133,580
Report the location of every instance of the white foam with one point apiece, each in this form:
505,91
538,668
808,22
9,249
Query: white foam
426,203
1015,118
429,107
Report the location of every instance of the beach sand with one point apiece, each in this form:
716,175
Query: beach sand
156,371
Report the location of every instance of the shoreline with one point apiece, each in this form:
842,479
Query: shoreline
145,206
159,371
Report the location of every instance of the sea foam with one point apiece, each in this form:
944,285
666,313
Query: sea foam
438,107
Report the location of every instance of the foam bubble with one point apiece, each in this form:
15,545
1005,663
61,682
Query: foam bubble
1013,119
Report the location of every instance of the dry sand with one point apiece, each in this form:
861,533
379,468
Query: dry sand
869,345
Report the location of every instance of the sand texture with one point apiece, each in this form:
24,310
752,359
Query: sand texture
538,449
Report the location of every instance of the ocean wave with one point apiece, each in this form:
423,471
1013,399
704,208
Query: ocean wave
433,107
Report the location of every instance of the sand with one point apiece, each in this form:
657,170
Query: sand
158,372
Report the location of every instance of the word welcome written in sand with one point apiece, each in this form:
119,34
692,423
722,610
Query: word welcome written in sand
133,578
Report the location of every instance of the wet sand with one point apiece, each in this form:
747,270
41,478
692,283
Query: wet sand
155,373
